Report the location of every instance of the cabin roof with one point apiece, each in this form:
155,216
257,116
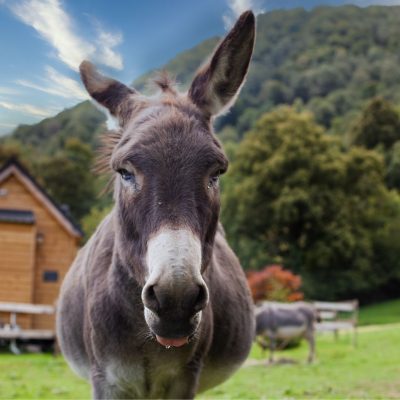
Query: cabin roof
13,167
17,216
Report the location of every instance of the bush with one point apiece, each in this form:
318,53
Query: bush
274,283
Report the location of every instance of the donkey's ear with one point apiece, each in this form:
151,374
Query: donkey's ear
113,95
217,84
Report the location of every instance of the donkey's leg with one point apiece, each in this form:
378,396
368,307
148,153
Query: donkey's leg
272,347
186,385
260,340
100,388
310,337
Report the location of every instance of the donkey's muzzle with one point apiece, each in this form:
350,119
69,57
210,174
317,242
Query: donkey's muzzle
173,316
166,302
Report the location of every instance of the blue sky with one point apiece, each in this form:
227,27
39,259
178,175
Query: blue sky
43,41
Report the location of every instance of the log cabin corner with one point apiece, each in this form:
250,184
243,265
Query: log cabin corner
38,242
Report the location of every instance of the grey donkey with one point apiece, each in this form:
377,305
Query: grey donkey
156,304
285,322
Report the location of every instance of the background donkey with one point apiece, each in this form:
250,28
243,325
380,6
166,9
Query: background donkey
285,322
156,304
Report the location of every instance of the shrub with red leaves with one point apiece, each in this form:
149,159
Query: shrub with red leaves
274,283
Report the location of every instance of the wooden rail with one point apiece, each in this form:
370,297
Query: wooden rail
23,308
26,334
336,316
12,332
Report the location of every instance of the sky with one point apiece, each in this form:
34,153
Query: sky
42,43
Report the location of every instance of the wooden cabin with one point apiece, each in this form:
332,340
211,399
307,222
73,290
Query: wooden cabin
38,242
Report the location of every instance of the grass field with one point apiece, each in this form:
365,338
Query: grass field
381,313
372,370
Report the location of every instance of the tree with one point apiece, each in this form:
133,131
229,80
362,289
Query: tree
379,124
14,149
393,166
300,199
68,177
378,127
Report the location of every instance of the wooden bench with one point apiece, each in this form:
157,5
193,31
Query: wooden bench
12,331
337,316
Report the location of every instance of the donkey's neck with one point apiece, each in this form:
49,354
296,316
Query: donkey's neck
123,287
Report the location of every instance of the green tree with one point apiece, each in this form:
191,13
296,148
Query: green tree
68,177
379,124
393,166
378,127
293,195
14,149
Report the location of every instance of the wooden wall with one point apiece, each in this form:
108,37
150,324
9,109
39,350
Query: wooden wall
17,260
55,253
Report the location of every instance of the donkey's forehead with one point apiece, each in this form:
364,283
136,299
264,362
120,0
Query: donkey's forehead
169,134
166,115
170,106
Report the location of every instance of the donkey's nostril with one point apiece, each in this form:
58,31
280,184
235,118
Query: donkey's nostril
150,298
202,298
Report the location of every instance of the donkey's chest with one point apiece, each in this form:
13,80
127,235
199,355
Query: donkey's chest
144,378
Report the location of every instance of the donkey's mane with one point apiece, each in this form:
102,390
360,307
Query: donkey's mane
165,82
101,166
108,140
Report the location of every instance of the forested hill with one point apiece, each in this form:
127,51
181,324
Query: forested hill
332,60
83,122
328,60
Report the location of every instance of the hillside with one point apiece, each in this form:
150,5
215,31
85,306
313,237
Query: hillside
183,66
84,122
328,60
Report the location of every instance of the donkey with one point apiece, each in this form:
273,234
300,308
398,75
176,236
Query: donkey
280,321
156,304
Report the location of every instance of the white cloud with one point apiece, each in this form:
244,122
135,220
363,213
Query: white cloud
27,109
237,7
58,85
106,55
55,26
8,90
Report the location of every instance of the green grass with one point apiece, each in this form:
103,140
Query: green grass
381,313
38,376
370,371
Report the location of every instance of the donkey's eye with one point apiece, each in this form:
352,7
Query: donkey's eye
126,175
214,180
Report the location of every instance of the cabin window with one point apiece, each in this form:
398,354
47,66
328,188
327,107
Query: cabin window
50,276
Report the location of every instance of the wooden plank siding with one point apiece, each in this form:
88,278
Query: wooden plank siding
54,253
17,260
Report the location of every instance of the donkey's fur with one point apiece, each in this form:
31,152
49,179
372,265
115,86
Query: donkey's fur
158,272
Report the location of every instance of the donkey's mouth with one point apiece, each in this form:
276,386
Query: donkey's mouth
171,332
169,342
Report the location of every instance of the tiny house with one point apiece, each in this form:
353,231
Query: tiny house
38,242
